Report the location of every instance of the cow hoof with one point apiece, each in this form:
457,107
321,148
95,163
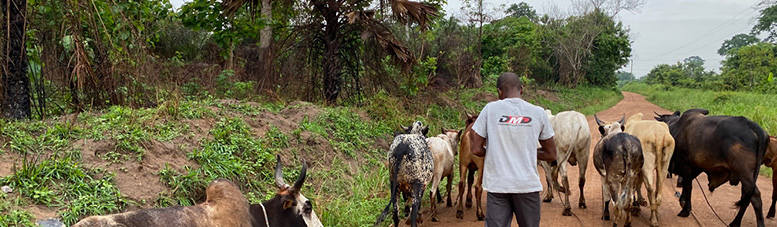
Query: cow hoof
567,212
449,204
684,213
642,202
614,225
771,213
635,211
469,203
677,194
459,214
434,219
627,225
606,217
582,205
547,200
481,218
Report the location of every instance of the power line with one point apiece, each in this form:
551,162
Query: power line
706,35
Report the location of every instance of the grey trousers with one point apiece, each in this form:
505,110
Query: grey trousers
500,208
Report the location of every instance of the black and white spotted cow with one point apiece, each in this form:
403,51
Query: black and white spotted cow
411,168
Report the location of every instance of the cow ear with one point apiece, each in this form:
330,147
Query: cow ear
287,203
442,130
601,130
425,130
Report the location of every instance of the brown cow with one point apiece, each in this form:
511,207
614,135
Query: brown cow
770,160
471,163
225,206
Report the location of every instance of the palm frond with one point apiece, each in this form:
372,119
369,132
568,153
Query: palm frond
374,30
416,11
231,6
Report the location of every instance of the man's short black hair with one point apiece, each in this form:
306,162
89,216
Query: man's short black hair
508,81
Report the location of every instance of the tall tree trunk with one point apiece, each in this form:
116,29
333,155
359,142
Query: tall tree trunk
265,42
331,60
15,80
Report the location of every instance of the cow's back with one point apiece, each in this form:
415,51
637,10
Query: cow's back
415,160
570,128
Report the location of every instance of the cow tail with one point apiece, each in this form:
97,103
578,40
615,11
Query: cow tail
760,151
394,190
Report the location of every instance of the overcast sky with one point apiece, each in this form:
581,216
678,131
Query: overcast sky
663,31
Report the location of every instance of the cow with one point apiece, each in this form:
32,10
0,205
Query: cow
224,206
726,148
444,150
657,149
618,159
573,141
770,160
468,164
289,208
411,168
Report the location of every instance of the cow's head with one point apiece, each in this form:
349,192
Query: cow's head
289,207
416,128
611,128
470,120
668,118
453,138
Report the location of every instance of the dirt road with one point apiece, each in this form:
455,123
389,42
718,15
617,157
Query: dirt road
722,201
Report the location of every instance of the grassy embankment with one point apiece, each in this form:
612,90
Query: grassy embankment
761,108
79,165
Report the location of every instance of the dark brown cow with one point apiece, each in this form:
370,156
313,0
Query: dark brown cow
289,208
225,206
618,159
726,148
770,160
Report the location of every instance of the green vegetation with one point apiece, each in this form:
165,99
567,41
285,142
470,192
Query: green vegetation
761,108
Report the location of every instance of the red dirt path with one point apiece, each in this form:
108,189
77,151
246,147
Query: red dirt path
722,200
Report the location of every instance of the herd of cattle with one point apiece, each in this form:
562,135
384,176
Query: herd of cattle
630,153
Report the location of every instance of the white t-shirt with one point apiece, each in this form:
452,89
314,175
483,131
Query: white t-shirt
512,127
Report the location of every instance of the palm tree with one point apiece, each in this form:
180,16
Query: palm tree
16,84
338,17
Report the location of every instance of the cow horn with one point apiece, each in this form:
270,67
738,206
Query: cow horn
657,114
279,174
623,119
598,122
301,180
469,115
404,128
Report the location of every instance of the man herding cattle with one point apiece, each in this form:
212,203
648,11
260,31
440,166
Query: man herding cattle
513,127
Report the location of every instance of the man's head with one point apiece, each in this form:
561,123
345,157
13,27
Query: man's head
509,86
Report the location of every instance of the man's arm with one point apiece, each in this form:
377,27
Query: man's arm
476,144
548,150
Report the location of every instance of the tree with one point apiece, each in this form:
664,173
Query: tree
522,10
749,67
16,83
736,42
767,22
625,76
610,51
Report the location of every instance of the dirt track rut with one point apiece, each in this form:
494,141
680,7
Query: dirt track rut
722,200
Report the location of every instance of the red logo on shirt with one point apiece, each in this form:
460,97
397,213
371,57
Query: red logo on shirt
514,120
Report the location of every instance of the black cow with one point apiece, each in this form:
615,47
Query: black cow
618,159
726,148
289,207
411,168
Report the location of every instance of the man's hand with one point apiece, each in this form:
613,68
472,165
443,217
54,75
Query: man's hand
476,144
548,150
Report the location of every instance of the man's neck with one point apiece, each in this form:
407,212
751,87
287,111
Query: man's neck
512,95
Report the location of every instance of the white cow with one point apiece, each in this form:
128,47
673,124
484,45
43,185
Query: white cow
657,150
444,150
573,140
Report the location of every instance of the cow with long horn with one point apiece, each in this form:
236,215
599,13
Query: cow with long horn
289,207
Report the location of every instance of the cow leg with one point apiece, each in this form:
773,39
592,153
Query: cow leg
417,193
448,186
407,198
747,186
547,194
774,195
460,198
757,207
470,181
564,180
479,193
582,160
434,194
438,195
685,197
605,199
555,178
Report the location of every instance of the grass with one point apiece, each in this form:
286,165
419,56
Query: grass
584,99
760,108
